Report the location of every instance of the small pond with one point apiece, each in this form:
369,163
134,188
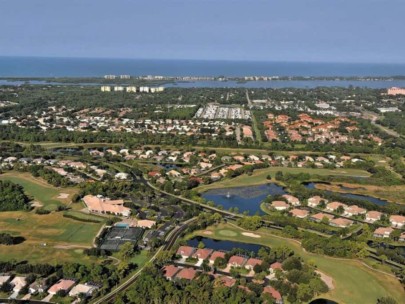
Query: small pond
222,245
371,199
244,198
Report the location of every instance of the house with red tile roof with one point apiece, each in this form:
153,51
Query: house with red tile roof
373,216
227,281
64,285
154,174
202,254
103,205
215,255
319,217
280,205
252,262
333,206
354,210
397,221
383,232
185,251
340,222
169,271
299,213
275,266
236,261
274,294
292,200
187,274
314,201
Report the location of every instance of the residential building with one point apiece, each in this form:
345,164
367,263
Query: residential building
202,254
354,210
185,251
397,221
18,283
215,255
275,266
252,262
99,204
332,207
396,91
280,205
63,284
84,289
320,216
169,271
236,261
187,274
314,201
373,216
383,232
299,213
292,200
340,222
274,294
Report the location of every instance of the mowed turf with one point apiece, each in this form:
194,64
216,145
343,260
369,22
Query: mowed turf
48,237
260,176
40,190
354,282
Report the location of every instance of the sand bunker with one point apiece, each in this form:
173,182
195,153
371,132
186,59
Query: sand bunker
249,234
36,204
326,279
63,195
207,232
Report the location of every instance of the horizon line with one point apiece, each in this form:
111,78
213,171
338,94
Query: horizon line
212,60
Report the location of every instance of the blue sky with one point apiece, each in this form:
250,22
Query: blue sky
260,30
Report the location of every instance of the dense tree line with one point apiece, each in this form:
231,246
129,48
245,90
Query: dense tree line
12,197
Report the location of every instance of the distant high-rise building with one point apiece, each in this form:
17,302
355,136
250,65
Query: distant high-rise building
118,89
125,76
105,89
110,76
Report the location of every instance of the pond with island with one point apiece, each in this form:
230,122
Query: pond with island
244,198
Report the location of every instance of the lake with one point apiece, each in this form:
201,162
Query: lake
371,199
244,198
222,245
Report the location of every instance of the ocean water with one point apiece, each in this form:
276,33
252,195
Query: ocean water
87,67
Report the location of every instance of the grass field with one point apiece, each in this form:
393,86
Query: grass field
354,282
39,189
260,176
64,238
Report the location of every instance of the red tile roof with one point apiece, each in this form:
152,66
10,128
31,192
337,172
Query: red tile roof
236,260
273,292
202,253
253,262
217,254
187,273
185,251
170,271
276,265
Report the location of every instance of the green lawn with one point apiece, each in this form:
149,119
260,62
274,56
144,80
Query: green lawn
354,282
49,237
40,190
141,258
260,176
